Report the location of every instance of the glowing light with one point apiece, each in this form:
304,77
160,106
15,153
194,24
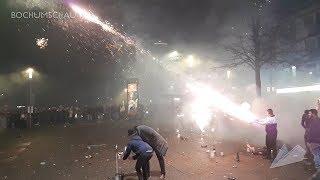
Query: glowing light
190,61
228,74
294,71
30,71
42,43
246,105
298,89
201,112
206,99
173,55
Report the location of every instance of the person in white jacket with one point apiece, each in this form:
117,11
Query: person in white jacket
270,123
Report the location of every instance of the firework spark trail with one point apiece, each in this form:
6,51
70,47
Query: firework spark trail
94,19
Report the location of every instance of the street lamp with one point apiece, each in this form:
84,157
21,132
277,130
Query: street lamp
30,71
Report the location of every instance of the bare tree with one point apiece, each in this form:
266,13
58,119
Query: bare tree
260,46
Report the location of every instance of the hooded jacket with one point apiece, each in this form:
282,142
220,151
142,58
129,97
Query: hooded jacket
152,137
137,146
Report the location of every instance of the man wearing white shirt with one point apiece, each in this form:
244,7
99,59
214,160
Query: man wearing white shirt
271,137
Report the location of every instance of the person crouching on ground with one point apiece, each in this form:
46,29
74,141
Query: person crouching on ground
313,137
143,153
157,142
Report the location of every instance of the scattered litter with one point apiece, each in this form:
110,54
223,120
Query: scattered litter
120,154
208,151
82,166
67,125
221,153
43,163
25,144
76,160
234,166
95,145
88,156
20,150
183,138
54,164
250,149
212,154
11,158
232,178
178,135
238,157
204,146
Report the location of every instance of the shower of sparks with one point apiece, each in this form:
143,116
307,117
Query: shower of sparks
42,43
106,26
206,99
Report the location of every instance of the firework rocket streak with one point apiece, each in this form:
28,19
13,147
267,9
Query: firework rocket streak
94,19
207,98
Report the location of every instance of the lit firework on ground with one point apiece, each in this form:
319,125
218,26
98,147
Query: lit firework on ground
106,26
206,99
42,43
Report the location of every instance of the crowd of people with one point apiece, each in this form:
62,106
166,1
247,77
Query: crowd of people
20,118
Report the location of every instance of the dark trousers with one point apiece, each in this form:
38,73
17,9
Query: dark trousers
308,152
161,162
271,143
143,163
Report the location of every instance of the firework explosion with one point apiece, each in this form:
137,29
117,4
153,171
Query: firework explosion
42,43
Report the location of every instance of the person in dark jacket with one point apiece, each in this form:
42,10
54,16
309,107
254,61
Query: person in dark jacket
313,137
143,153
270,123
157,142
305,123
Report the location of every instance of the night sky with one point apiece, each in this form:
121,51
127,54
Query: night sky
76,64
